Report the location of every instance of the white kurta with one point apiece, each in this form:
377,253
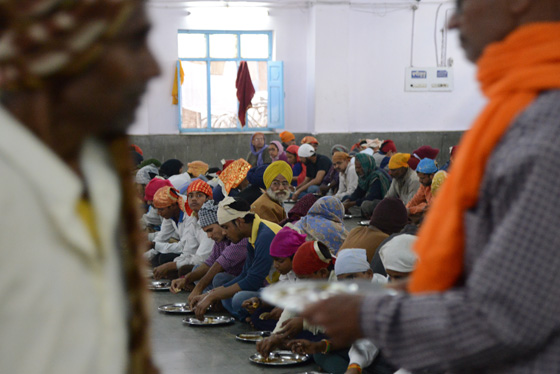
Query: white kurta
62,308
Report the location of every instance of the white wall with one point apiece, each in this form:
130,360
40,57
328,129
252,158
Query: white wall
344,69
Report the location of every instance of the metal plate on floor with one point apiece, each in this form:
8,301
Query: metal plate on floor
159,286
348,216
177,308
253,336
363,223
279,358
209,321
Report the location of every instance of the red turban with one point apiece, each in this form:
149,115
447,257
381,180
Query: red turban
423,152
154,185
309,259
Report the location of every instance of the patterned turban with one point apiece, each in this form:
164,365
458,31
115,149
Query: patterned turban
167,196
234,174
198,185
309,259
437,181
196,168
275,169
399,160
208,214
40,39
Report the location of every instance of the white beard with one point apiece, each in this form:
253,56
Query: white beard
279,198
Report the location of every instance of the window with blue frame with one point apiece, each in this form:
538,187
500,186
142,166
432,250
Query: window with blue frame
208,95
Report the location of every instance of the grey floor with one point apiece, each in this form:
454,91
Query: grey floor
182,349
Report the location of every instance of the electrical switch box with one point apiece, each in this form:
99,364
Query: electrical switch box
428,79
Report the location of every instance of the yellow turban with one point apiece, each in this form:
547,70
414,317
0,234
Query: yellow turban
197,167
275,169
437,181
399,160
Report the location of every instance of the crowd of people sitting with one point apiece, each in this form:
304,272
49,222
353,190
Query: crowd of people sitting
223,234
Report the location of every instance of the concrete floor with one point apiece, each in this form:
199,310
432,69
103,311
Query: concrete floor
182,349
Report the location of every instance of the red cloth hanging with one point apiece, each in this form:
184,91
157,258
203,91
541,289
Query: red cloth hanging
245,91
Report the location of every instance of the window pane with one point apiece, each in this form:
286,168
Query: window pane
224,94
223,46
257,116
192,45
194,103
254,46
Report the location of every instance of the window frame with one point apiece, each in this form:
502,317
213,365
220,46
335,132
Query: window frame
208,60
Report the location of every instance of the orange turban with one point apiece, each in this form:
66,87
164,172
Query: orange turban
167,196
197,185
234,174
309,140
340,156
286,136
196,168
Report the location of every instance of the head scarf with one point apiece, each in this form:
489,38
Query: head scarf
309,140
286,136
146,174
275,169
397,253
234,174
196,168
255,176
325,222
180,180
227,213
170,168
374,143
389,215
351,260
286,243
423,152
309,259
42,39
208,214
368,151
338,148
259,154
154,185
281,154
388,146
399,160
437,181
300,208
371,174
167,196
427,166
197,185
306,150
293,149
341,156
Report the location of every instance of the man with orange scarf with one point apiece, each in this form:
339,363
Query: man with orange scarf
483,298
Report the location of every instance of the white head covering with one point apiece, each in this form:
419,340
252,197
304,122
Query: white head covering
368,151
143,175
306,150
226,213
351,260
179,180
397,253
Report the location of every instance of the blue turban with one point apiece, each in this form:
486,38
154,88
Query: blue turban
427,166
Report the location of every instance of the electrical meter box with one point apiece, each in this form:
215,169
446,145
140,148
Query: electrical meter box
428,79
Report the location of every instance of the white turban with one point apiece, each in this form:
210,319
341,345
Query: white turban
351,260
226,213
397,253
145,175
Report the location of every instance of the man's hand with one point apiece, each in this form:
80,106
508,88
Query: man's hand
327,313
202,305
291,328
251,304
303,347
352,371
273,314
267,345
347,205
165,270
194,293
295,195
177,285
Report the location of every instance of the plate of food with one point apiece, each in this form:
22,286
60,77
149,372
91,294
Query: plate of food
253,336
208,321
279,358
177,308
159,286
296,296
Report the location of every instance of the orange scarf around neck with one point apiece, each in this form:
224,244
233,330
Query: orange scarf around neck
512,73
